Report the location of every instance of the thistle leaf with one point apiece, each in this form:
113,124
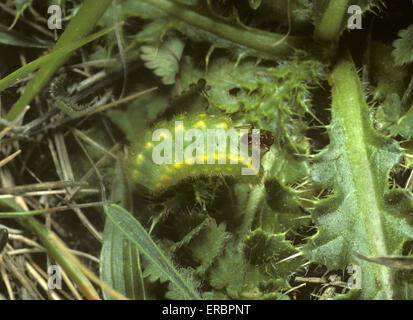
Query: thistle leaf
362,215
208,245
222,276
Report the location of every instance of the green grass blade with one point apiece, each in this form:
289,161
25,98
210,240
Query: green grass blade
34,65
86,18
119,259
136,233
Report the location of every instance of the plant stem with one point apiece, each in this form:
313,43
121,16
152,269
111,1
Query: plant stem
253,39
70,268
39,62
350,118
329,28
88,15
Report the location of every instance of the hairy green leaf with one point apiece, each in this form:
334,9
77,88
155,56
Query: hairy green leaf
120,265
208,245
362,215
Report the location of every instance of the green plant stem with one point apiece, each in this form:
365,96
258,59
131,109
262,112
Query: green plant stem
56,54
71,269
329,28
257,195
254,39
350,112
86,18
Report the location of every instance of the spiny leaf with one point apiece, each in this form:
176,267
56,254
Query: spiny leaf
174,291
362,215
281,211
189,236
267,252
208,245
222,276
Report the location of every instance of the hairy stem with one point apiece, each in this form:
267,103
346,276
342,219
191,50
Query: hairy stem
329,28
349,113
254,39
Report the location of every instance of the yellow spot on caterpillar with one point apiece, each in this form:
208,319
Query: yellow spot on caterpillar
148,145
202,159
163,135
179,128
234,157
222,156
190,161
171,170
222,125
165,177
200,124
202,115
181,118
135,174
177,165
139,159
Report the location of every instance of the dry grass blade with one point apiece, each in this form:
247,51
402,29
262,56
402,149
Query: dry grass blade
41,186
87,272
397,262
14,122
9,158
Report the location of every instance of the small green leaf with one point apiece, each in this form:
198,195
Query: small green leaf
229,272
403,47
405,124
208,245
164,60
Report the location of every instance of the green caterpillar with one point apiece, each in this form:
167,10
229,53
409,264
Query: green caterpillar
172,151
